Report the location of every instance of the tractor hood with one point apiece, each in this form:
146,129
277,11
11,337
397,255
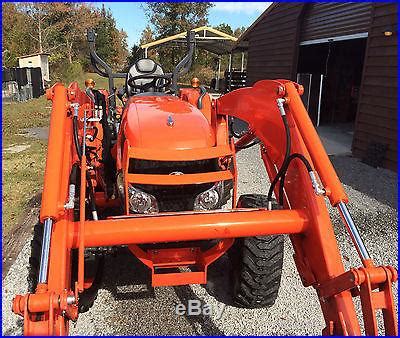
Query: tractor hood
166,122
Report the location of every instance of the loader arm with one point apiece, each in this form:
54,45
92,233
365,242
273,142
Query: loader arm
275,115
317,256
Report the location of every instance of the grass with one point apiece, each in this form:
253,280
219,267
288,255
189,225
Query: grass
23,171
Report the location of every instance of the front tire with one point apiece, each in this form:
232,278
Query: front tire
34,259
93,267
256,263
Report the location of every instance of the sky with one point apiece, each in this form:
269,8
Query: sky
131,18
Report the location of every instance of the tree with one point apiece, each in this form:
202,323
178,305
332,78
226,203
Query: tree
111,43
37,18
225,28
74,19
58,25
121,48
59,28
135,54
239,31
170,18
15,33
147,35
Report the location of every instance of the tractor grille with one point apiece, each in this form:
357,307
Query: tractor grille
175,197
167,167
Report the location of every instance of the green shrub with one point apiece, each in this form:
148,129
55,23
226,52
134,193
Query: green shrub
65,72
204,74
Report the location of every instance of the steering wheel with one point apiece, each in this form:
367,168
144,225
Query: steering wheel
154,77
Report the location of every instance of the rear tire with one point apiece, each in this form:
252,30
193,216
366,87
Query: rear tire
256,263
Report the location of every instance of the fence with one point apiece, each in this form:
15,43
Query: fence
21,84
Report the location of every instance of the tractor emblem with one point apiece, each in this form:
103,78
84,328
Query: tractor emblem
177,173
170,121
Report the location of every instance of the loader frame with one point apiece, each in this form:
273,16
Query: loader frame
305,219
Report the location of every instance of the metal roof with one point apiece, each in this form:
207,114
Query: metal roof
207,38
30,55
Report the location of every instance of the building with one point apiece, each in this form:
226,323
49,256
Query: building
36,60
21,84
345,56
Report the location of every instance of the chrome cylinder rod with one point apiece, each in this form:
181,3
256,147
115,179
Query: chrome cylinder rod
84,132
44,258
353,231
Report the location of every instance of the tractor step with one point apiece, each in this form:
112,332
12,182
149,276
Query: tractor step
179,266
178,278
177,259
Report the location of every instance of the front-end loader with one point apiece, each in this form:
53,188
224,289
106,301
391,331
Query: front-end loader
157,174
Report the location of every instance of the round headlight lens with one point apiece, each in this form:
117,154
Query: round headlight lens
207,200
141,202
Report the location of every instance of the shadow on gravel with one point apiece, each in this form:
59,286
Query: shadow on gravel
208,328
125,272
219,284
380,184
126,278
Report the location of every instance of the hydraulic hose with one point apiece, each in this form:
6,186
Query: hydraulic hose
203,92
285,167
74,174
76,139
287,153
231,129
92,203
249,145
73,181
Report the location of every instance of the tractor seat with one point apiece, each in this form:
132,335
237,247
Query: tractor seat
142,67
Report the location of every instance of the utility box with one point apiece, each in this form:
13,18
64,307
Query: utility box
36,60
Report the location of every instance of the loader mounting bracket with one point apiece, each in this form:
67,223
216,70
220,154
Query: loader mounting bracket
373,284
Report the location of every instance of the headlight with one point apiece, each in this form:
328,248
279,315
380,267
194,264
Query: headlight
141,202
209,199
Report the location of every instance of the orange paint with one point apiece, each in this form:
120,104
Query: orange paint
51,204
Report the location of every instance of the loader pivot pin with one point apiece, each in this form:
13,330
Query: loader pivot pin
44,257
353,231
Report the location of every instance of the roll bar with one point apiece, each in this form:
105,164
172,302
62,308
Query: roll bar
97,61
181,69
184,65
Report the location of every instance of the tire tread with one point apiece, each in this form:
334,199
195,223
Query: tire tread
257,263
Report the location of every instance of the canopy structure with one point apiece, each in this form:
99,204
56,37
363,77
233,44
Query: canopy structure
207,38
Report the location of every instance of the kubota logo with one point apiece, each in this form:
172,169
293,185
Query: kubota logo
176,173
170,121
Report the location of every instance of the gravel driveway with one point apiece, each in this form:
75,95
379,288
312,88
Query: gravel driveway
125,306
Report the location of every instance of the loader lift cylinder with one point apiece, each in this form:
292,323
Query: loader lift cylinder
44,257
353,231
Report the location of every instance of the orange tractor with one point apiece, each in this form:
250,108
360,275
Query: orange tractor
158,176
